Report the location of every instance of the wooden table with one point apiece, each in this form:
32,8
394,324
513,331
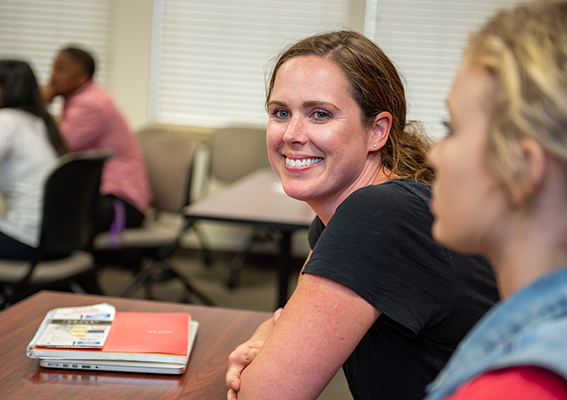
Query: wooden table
220,331
259,200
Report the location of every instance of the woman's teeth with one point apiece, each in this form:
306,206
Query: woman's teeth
303,162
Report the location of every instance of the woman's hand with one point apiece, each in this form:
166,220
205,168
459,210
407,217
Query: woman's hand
239,359
244,354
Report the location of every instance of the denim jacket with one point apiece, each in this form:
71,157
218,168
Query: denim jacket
527,329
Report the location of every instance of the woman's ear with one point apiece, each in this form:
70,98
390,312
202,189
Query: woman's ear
533,171
380,131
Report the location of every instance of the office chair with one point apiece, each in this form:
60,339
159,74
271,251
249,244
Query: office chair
169,159
235,153
70,196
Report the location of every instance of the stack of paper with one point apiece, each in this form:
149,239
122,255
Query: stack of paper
98,338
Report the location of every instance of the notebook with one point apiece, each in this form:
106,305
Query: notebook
146,367
98,338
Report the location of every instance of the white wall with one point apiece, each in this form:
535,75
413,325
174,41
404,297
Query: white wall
130,58
129,63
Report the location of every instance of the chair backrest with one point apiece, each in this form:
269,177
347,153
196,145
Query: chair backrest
238,151
169,159
70,197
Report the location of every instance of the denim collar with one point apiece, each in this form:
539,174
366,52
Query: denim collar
493,338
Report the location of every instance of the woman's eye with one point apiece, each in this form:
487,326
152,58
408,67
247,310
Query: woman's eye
321,115
279,113
448,127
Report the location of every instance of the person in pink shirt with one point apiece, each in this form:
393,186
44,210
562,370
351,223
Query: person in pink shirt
91,120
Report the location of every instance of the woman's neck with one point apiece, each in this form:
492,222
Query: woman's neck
533,237
325,207
528,257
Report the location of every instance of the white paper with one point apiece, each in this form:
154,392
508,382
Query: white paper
77,327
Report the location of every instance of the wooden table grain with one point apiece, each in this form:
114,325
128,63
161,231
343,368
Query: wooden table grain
220,331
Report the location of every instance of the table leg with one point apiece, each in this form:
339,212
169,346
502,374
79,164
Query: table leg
284,266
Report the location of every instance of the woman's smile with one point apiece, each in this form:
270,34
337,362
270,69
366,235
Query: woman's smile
301,162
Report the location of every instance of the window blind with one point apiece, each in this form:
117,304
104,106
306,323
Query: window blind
425,39
210,59
33,30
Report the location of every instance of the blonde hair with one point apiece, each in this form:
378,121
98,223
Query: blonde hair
524,49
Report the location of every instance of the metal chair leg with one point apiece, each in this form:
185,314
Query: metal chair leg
144,276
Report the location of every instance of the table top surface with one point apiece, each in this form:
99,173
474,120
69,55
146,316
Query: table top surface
220,331
257,198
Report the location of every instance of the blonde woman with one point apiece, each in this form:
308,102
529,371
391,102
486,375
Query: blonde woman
501,191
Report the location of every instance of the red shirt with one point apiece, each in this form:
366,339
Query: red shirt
519,383
91,121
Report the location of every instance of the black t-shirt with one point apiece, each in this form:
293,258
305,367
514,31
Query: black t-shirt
379,244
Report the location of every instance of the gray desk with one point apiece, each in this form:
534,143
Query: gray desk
259,200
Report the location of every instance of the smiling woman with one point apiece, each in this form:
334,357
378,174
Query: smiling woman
377,294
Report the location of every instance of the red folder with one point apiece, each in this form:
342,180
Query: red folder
134,336
142,332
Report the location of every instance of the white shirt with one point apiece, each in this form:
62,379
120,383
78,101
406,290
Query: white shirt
26,158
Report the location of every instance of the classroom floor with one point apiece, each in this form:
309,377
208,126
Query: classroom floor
256,290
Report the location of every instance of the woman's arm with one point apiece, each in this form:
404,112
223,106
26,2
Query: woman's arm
321,325
244,354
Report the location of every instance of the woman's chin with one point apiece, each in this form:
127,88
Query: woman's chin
297,193
440,235
451,240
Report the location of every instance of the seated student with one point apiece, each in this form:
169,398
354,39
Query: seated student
91,120
377,295
501,191
29,146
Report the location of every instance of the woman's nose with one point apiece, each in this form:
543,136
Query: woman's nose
295,131
433,153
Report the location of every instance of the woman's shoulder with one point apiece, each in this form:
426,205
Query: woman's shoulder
16,120
399,204
396,193
8,114
400,185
